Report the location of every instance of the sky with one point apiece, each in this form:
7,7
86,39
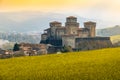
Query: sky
106,10
44,5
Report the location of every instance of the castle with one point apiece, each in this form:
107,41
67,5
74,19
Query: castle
73,35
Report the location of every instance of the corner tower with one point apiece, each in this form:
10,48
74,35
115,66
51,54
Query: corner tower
92,28
71,25
53,26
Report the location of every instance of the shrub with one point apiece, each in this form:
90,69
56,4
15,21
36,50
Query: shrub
67,49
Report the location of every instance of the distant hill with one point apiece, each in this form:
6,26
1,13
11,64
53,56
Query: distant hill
20,37
115,40
103,64
112,32
32,21
115,30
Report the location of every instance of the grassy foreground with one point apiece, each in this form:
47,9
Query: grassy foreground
87,65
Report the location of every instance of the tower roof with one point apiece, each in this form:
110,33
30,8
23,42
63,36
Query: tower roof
89,22
71,17
54,22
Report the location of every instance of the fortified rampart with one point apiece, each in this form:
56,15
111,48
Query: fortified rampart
92,43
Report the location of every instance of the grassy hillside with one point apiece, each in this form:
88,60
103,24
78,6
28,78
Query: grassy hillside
87,65
115,38
111,31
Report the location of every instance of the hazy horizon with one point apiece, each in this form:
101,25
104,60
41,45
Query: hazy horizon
36,14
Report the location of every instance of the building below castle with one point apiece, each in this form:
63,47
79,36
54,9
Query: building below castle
73,35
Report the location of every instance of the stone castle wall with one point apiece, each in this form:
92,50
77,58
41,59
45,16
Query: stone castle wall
92,43
68,41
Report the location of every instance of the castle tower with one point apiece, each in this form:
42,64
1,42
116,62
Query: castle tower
71,25
92,27
53,26
44,36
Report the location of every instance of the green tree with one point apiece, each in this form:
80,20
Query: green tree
67,49
16,47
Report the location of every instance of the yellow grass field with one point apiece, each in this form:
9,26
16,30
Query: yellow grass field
101,64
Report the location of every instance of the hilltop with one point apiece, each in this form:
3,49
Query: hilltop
20,37
100,64
111,31
115,39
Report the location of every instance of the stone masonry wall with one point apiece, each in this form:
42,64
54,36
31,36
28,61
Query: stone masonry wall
92,43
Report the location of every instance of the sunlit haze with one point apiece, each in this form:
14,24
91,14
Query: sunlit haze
104,10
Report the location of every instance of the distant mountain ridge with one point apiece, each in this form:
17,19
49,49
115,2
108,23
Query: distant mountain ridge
21,37
111,31
33,21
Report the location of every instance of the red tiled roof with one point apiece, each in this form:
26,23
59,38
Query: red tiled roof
71,17
32,45
89,22
83,29
55,22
